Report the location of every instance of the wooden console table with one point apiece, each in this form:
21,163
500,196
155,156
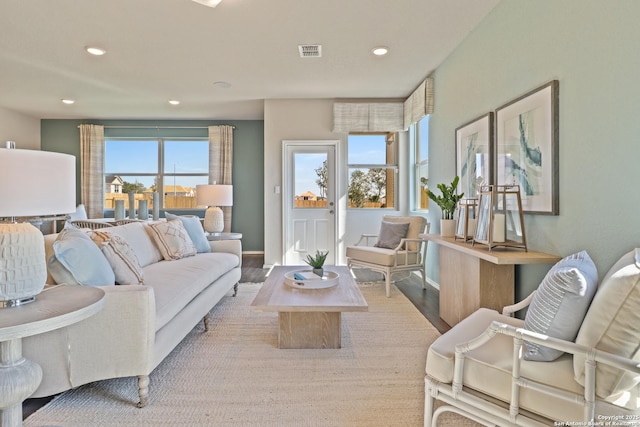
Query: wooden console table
472,276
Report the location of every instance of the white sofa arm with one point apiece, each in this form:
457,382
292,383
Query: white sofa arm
230,246
116,342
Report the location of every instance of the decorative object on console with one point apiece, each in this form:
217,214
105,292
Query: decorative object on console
118,212
156,207
317,262
143,209
37,183
527,148
132,205
500,221
213,196
467,218
448,203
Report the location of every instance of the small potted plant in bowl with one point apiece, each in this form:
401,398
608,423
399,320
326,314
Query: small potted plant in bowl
448,202
317,262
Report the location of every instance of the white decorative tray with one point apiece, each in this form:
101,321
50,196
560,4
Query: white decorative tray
328,280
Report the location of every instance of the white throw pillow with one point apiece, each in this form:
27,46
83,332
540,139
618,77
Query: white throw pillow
612,325
172,239
559,305
77,260
121,257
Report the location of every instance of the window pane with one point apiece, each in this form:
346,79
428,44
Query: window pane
123,156
423,180
423,133
180,191
372,188
371,150
310,175
117,187
186,157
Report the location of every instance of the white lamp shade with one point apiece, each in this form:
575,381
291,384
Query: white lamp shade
214,195
36,183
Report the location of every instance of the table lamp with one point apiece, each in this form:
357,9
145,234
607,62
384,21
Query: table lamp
213,196
33,184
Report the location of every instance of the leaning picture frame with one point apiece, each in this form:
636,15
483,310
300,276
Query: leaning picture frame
526,148
474,155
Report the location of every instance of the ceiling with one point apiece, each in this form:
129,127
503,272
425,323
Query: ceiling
158,50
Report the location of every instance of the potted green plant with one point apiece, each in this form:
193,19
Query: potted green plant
448,202
317,262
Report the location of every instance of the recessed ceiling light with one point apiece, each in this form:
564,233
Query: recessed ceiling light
223,85
210,3
174,102
97,51
68,101
380,50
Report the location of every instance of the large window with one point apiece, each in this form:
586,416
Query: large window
372,165
171,167
419,136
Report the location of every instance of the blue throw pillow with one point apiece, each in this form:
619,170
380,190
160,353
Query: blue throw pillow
560,303
194,229
76,260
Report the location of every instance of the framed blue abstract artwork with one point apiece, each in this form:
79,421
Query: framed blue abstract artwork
526,148
473,155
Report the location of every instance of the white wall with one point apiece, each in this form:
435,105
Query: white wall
593,51
22,129
312,120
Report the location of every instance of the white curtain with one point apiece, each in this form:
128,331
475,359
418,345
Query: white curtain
221,162
92,169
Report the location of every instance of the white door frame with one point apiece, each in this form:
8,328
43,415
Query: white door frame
286,191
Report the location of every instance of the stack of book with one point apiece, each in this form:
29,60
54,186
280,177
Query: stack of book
306,275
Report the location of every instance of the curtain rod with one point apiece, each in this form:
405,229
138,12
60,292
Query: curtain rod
160,127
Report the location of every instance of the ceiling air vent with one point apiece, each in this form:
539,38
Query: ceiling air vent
310,50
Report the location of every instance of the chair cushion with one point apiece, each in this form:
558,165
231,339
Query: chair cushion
391,233
559,305
611,324
194,228
488,368
379,256
76,260
416,226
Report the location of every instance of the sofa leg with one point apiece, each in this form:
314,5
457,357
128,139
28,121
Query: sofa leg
206,321
235,289
143,390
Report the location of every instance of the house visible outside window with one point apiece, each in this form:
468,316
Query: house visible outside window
170,167
372,167
419,136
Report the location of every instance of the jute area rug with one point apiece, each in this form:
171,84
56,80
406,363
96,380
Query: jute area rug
234,375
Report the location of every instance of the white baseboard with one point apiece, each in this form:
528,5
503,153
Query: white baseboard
252,252
429,281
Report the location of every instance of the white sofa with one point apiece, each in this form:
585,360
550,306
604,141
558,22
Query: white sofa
139,324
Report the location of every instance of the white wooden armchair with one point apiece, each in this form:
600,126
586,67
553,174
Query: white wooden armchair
407,255
477,368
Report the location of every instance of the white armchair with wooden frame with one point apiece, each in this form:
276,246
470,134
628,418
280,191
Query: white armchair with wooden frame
502,371
395,249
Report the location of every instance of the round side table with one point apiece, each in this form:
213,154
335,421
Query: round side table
55,307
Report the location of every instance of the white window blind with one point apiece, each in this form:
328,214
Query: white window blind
419,103
368,117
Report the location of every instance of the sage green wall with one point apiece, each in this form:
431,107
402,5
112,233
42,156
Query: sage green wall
593,51
248,166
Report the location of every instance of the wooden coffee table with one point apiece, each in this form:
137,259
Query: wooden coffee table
309,318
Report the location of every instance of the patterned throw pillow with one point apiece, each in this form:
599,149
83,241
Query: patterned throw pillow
121,257
194,228
172,239
560,303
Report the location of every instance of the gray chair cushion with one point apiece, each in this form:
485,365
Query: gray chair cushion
391,233
560,303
